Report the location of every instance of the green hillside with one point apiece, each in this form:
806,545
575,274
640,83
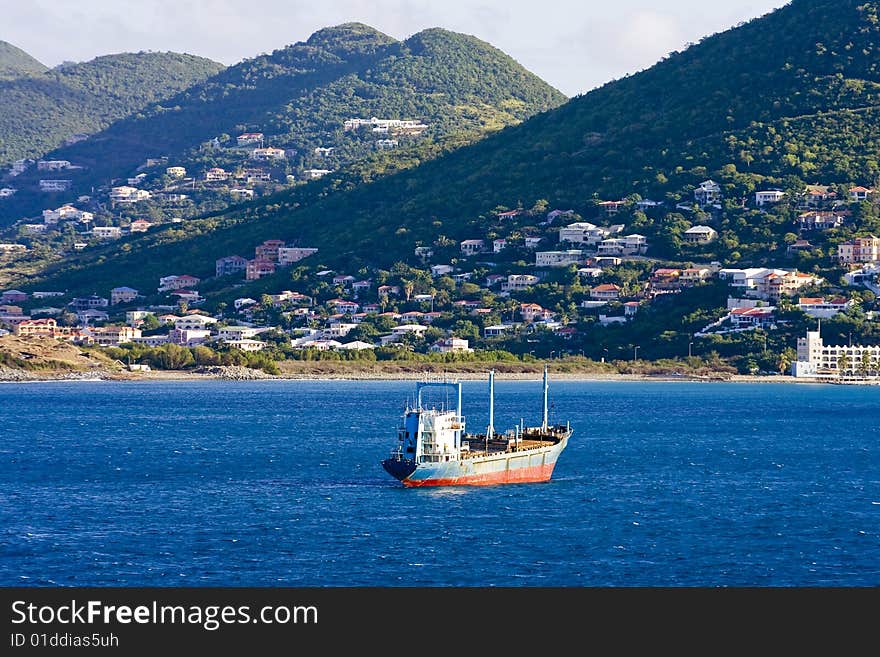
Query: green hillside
39,111
15,62
299,97
786,99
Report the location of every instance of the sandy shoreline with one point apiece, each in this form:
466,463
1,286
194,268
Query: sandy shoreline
159,376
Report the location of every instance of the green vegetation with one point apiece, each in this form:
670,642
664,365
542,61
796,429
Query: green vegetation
785,98
300,96
38,111
15,62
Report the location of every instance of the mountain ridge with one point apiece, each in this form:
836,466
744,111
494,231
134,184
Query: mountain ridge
15,62
39,111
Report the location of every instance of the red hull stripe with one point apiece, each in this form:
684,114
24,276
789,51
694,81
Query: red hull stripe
530,474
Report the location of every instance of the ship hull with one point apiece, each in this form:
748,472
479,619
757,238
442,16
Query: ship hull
528,466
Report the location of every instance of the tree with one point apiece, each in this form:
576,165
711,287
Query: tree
843,365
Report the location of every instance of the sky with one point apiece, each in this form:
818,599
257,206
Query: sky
575,45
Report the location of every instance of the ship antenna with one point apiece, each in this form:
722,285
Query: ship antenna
544,422
490,432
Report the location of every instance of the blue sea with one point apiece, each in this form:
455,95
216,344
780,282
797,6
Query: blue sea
278,483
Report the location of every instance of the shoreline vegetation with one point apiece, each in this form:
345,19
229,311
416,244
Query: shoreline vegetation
388,372
45,359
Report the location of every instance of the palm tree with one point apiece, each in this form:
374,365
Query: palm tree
843,364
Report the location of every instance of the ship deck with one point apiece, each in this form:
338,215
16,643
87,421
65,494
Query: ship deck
502,445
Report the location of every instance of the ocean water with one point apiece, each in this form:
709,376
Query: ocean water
279,484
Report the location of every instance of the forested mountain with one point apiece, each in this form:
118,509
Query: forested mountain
15,62
786,99
42,108
300,96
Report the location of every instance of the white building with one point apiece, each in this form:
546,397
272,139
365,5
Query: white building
699,235
287,255
516,282
768,197
125,195
559,258
188,322
107,232
471,247
707,193
816,359
823,309
584,232
55,185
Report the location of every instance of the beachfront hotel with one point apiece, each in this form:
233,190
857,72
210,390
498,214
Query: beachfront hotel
819,360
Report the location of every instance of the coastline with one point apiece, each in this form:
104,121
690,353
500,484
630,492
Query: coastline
9,375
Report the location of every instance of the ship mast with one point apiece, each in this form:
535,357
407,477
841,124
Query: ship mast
544,422
490,432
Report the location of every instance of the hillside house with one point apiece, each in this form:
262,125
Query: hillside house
314,174
216,174
821,308
816,220
287,255
51,186
707,192
343,306
241,194
13,296
605,292
559,258
666,280
169,283
532,241
228,265
611,208
127,195
195,321
188,337
582,232
509,214
817,196
554,214
175,172
441,270
239,332
423,253
268,154
769,197
268,250
258,268
499,245
110,336
517,282
190,296
388,291
694,276
859,250
89,302
472,247
799,245
107,232
450,345
859,194
533,312
122,295
52,165
248,138
629,245
139,226
699,235
762,317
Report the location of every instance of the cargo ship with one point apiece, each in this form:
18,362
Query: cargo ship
434,448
